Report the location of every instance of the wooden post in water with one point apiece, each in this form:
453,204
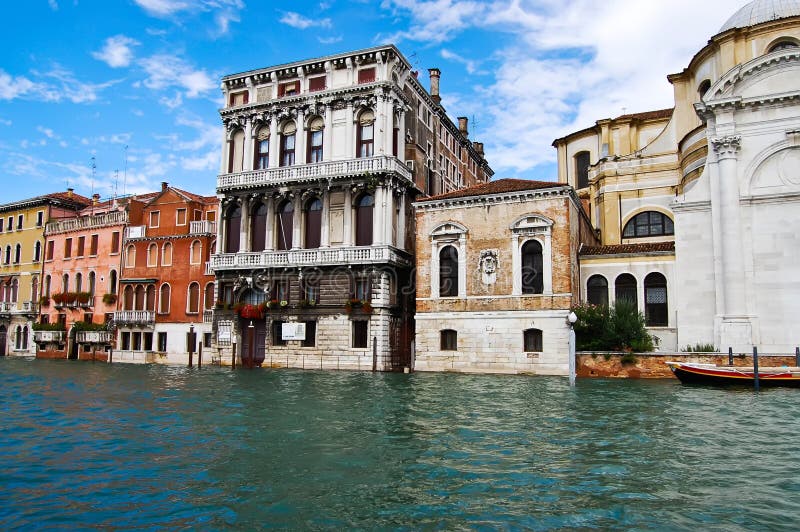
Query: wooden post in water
730,356
374,353
755,368
200,355
797,357
233,357
190,343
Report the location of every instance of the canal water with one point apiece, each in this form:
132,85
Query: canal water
88,445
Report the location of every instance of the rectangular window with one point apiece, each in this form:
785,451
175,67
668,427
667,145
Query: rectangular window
366,75
10,223
291,88
50,249
19,222
39,219
316,84
277,329
68,248
362,289
180,217
197,215
2,221
533,340
311,334
449,340
125,338
280,291
148,341
155,218
93,245
310,293
162,342
136,340
360,334
238,98
81,245
207,340
115,242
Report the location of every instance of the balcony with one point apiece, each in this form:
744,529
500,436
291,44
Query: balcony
313,172
339,256
135,317
203,227
86,222
7,306
208,316
30,307
94,337
209,269
43,337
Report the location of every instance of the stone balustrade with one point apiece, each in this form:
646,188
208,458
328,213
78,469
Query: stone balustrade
135,317
338,256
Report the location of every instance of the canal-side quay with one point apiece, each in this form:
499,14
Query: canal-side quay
155,446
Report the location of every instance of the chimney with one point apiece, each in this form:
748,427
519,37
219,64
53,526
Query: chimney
435,74
462,126
164,185
69,192
95,199
478,148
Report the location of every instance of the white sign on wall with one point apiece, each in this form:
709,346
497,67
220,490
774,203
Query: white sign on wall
224,328
293,331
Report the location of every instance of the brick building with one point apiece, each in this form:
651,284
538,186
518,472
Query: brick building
497,273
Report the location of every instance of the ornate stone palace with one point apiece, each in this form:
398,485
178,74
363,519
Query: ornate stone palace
321,162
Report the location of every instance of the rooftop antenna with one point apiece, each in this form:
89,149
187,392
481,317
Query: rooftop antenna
116,183
125,174
94,174
474,126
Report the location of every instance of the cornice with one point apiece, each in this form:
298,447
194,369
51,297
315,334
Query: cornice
561,191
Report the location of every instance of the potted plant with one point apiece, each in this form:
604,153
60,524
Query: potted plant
83,298
274,303
109,299
58,299
366,307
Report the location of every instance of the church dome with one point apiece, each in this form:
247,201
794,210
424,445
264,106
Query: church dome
760,11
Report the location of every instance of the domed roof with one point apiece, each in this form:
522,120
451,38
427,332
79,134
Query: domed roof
760,11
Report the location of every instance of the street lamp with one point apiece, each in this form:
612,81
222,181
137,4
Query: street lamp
571,319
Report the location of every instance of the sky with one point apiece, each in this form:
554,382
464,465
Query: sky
115,96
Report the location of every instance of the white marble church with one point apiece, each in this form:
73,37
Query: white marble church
698,206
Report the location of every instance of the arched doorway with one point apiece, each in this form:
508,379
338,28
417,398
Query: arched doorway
73,345
253,327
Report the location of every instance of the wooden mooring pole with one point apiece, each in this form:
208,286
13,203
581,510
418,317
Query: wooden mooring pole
797,357
755,368
730,356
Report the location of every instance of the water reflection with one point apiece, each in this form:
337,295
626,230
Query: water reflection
95,445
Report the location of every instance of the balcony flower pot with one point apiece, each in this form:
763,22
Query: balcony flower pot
252,312
83,298
109,299
58,299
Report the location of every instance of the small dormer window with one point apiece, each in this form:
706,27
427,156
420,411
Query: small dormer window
782,45
316,84
290,88
238,98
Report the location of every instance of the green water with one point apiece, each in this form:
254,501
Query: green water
88,446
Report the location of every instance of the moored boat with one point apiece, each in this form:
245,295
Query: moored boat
696,373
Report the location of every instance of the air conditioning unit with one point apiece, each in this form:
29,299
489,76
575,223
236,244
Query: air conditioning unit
410,164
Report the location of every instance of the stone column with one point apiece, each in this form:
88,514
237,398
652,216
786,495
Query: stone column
547,265
347,237
388,225
327,134
388,108
434,274
244,226
401,138
379,134
300,139
462,266
297,221
349,132
274,142
226,149
378,215
401,221
222,225
249,156
516,266
270,232
325,229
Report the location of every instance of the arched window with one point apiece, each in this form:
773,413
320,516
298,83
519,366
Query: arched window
150,298
648,223
315,140
233,226
365,134
14,290
91,283
152,255
193,301
163,299
625,289
582,160
597,290
79,282
285,225
782,45
130,256
213,247
65,282
112,282
655,300
208,300
532,265
702,89
448,272
17,253
288,137
364,208
258,229
25,337
139,296
127,299
37,251
166,254
448,340
196,252
8,255
47,281
532,340
313,221
236,152
35,289
18,337
262,149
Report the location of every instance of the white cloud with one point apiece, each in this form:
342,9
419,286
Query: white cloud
66,87
566,63
116,51
47,132
330,40
5,122
165,71
14,87
469,64
226,11
296,20
162,8
53,4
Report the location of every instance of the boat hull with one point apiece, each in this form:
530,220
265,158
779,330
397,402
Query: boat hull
716,376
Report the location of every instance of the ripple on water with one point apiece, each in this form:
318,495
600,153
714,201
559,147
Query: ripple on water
109,446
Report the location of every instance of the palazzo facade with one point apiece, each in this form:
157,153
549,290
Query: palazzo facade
321,162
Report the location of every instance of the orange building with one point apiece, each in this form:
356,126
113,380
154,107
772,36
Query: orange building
166,287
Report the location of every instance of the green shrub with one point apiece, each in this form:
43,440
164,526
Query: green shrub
48,326
627,358
87,326
700,348
620,328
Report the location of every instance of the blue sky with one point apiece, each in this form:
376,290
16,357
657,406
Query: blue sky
86,78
